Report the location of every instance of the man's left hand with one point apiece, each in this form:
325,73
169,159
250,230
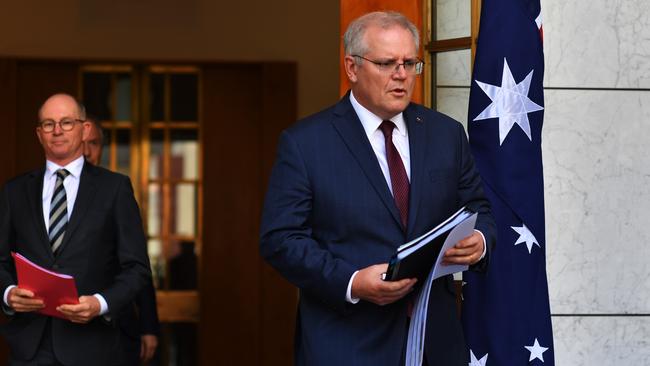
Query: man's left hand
83,312
148,345
467,251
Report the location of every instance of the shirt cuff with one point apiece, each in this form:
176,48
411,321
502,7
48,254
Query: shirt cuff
5,297
348,293
484,244
103,306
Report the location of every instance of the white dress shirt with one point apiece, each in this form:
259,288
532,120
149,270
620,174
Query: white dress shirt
71,186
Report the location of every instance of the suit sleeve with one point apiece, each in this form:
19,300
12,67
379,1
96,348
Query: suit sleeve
7,269
148,312
131,251
471,195
286,240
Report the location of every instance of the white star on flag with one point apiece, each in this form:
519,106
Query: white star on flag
536,351
476,362
525,236
510,103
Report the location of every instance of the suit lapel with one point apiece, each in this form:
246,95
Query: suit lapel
349,127
85,194
417,147
35,199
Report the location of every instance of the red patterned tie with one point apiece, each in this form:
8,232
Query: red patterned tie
398,178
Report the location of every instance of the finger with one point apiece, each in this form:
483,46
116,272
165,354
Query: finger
149,354
21,292
461,251
75,308
24,309
397,286
143,351
25,301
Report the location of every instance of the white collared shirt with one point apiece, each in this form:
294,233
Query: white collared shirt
70,183
371,122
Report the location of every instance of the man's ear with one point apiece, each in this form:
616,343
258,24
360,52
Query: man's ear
85,131
351,68
38,134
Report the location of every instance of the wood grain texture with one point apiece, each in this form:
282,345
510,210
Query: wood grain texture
352,9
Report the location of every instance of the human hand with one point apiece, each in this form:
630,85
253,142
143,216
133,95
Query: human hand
22,300
467,251
83,312
148,345
368,285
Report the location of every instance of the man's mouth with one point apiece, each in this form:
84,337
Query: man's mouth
398,92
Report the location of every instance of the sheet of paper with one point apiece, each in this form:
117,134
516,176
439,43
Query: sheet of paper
463,230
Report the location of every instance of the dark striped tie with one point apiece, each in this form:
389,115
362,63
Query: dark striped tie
398,178
58,211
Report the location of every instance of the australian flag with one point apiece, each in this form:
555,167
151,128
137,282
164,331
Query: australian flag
506,312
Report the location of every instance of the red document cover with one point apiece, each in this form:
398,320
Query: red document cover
53,288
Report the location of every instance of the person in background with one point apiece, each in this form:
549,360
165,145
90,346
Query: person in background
139,323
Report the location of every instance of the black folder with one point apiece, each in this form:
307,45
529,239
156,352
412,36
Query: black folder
416,258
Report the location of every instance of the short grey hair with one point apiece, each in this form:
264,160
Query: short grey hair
354,37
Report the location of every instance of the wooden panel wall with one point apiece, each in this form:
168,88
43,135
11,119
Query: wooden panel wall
7,119
247,310
24,86
352,9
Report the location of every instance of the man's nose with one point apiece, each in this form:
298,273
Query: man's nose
400,71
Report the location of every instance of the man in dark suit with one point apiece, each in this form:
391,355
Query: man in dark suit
352,183
77,219
138,323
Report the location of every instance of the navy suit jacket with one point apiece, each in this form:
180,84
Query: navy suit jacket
138,319
104,248
329,212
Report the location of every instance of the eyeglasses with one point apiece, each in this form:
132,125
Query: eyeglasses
66,124
413,67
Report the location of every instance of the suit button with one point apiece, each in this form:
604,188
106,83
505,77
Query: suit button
55,266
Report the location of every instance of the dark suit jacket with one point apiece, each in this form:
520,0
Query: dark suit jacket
139,318
104,248
329,212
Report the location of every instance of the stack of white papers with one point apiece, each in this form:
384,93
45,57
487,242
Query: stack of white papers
415,344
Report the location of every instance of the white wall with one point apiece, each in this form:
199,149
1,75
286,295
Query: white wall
597,172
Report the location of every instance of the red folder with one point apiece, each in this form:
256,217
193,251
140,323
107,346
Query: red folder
53,288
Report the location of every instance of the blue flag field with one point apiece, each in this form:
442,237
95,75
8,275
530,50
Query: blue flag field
506,312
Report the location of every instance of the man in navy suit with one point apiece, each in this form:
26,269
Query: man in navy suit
353,182
78,219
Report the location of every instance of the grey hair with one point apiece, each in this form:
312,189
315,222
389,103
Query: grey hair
354,37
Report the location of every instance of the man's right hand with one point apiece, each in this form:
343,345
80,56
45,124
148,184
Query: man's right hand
23,301
368,285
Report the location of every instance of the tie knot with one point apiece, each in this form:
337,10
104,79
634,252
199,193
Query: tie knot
62,173
387,128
